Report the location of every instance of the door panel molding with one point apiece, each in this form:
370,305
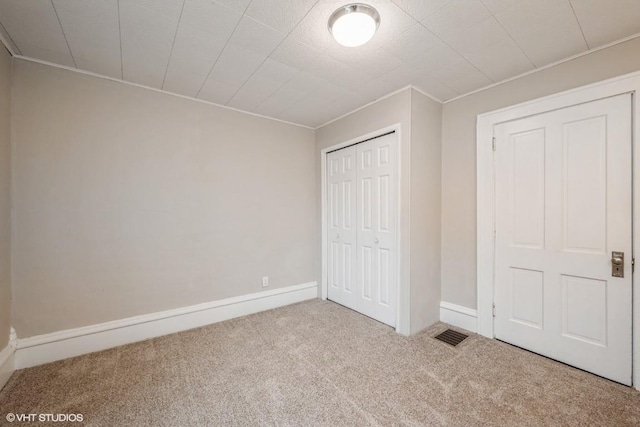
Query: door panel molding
486,200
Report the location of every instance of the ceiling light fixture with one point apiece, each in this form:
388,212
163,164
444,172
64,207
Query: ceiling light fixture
354,24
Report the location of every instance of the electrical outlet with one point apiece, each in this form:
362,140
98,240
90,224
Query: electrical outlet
265,281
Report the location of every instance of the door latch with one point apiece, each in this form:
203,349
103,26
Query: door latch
617,264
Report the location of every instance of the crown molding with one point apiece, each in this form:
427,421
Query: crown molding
153,89
544,67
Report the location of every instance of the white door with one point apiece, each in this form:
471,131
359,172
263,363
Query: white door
341,185
362,258
563,205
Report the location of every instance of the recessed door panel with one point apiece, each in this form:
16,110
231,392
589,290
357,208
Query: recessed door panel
347,196
366,157
383,155
584,309
585,184
347,274
334,166
347,164
528,189
334,205
384,277
334,265
366,205
527,292
366,273
384,204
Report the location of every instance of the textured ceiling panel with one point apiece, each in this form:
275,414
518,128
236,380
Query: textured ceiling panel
559,38
92,30
147,38
35,29
187,70
604,21
283,15
277,58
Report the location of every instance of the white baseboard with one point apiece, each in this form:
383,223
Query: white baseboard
459,316
60,345
7,365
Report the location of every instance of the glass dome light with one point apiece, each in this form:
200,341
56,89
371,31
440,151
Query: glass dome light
354,24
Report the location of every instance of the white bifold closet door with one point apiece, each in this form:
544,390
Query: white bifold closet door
563,213
362,253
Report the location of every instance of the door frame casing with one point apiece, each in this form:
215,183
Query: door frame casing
626,84
402,282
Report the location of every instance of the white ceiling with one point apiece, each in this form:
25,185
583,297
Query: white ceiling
276,57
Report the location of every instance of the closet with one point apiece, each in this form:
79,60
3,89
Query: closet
362,222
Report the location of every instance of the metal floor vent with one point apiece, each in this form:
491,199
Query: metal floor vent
451,337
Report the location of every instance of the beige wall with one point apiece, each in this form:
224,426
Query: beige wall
420,176
426,137
130,201
5,196
459,153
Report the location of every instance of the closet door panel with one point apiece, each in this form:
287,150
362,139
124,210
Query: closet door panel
341,216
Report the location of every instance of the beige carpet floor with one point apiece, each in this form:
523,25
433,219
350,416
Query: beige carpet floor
317,363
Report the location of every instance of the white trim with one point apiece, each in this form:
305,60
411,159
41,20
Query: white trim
113,79
5,38
420,91
389,95
7,365
226,107
60,345
395,92
459,316
15,54
402,310
544,67
629,83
